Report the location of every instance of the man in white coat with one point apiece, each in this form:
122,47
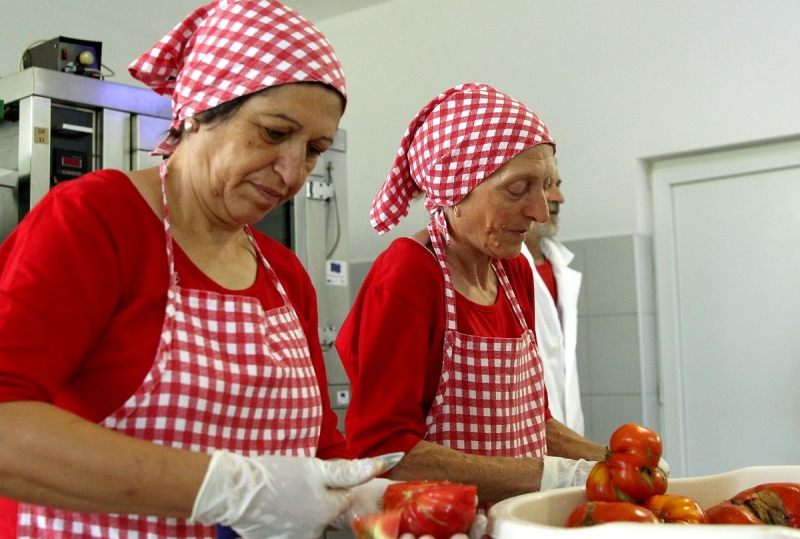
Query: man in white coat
556,288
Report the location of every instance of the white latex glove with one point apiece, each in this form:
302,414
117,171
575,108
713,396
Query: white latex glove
277,496
478,528
560,472
366,499
476,531
664,466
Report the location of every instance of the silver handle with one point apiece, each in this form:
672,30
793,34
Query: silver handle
74,129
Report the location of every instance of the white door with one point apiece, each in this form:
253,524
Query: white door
727,262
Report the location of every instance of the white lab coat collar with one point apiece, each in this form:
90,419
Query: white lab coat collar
555,252
556,332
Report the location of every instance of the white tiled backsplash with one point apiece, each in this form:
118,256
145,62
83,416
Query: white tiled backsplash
617,363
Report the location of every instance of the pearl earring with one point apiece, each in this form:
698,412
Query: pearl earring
188,126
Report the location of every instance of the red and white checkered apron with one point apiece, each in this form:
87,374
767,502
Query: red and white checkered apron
490,399
227,375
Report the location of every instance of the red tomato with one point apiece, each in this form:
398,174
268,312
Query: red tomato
630,471
438,508
675,509
730,513
593,513
378,525
637,440
770,503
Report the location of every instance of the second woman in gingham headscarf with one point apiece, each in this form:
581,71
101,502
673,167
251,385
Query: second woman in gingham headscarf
455,142
440,345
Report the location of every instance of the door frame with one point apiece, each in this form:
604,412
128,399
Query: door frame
665,173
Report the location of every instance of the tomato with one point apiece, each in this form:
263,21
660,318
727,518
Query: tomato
730,513
438,508
675,509
593,513
770,503
630,471
384,525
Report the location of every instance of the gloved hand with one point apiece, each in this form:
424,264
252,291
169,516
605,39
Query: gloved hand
476,531
366,499
560,472
277,496
478,528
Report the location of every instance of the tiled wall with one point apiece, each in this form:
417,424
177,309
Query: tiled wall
616,331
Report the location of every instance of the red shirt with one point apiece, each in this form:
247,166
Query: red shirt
83,283
391,344
545,271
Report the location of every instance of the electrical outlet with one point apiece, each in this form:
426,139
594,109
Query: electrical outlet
327,335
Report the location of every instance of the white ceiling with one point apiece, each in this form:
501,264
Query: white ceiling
318,10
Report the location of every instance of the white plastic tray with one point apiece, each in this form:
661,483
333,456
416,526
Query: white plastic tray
541,515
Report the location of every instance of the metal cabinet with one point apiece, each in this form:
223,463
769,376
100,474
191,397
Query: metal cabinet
57,126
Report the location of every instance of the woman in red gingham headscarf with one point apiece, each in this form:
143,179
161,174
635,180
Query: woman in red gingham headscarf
439,345
453,144
228,49
169,376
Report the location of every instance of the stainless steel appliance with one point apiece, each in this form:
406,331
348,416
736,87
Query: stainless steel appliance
66,54
57,126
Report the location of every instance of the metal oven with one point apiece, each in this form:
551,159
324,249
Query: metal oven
57,126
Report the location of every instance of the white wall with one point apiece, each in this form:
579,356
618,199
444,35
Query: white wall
614,80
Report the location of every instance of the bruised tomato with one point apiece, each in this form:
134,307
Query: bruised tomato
437,508
769,503
675,509
630,471
593,513
384,525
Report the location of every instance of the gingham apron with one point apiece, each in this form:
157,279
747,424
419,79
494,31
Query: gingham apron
227,375
490,399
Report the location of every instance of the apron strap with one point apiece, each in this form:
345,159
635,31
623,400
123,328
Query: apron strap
449,289
162,169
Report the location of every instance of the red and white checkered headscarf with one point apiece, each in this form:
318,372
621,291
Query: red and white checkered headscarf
231,48
455,142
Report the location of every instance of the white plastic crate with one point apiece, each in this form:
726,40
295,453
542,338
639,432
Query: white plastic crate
541,515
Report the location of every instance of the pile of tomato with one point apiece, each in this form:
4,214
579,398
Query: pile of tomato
628,485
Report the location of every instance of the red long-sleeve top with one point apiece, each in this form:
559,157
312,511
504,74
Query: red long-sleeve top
83,285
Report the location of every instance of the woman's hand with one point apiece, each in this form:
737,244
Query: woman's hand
560,472
368,499
276,496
